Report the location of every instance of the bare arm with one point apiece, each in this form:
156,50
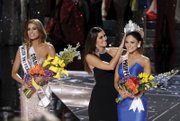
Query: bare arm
147,69
147,65
94,61
121,91
15,68
51,50
116,78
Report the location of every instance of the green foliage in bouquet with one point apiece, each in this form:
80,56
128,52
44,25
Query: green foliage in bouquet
69,53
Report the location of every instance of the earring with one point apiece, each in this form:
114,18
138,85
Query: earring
139,45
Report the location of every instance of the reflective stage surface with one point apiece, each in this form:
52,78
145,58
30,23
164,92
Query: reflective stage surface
75,91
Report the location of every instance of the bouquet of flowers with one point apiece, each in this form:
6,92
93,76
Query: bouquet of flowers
144,82
52,68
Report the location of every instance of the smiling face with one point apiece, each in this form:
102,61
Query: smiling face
33,32
101,40
132,44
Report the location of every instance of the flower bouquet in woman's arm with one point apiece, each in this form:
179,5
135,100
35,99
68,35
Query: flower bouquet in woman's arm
33,73
55,67
143,82
52,68
69,53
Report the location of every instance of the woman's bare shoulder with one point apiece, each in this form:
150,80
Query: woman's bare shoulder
48,45
145,59
90,56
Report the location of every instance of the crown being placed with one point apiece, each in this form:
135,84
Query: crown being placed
130,27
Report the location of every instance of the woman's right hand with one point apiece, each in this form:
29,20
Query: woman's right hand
125,93
123,41
122,93
27,86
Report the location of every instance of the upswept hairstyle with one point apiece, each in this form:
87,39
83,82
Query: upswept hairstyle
90,44
40,27
138,37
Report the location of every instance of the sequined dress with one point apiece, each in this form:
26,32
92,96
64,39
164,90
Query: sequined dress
29,107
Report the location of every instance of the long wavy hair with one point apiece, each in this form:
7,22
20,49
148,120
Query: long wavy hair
90,44
139,38
41,30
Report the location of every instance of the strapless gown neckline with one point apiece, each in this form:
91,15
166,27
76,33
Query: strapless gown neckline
134,70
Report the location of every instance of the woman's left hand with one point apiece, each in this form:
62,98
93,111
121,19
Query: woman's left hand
40,81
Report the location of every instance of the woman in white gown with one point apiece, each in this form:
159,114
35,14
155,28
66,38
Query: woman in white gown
33,51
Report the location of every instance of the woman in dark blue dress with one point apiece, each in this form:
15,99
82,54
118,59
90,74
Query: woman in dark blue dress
136,63
101,61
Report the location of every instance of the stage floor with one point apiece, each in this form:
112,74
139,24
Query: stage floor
75,93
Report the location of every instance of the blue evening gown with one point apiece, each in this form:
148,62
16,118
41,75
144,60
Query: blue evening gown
124,114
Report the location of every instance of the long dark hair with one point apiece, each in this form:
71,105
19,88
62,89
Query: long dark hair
90,44
138,37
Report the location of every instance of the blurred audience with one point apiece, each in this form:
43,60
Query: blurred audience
165,37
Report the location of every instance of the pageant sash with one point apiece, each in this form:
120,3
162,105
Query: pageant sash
33,57
136,103
45,95
125,65
24,60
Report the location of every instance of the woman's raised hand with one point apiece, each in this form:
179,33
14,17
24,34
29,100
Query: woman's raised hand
123,41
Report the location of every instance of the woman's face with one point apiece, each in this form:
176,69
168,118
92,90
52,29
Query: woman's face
101,40
131,44
32,31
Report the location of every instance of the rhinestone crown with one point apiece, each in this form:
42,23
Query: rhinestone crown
130,27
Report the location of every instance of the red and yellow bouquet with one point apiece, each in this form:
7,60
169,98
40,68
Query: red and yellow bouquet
51,68
137,84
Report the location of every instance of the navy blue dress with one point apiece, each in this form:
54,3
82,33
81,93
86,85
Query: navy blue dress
124,113
102,105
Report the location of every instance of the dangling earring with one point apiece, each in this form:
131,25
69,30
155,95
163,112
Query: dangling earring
139,45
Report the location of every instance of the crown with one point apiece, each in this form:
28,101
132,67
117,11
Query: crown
130,27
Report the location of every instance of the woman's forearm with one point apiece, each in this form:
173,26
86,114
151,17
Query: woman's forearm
116,58
18,78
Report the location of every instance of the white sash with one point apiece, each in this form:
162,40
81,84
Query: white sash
125,65
136,103
45,99
24,60
33,57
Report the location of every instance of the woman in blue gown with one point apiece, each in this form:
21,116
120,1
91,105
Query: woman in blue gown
134,64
